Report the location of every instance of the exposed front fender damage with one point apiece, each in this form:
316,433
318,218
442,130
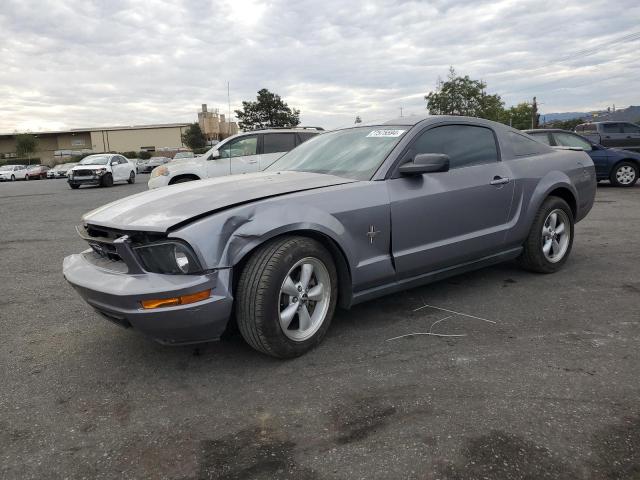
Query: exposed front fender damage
342,213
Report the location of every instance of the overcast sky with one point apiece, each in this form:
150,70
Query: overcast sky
69,64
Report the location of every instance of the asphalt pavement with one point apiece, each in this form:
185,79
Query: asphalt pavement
550,390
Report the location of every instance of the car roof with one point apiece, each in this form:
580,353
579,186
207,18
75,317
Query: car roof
282,130
545,130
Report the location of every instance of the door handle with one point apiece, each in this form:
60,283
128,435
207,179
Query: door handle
497,180
253,161
629,136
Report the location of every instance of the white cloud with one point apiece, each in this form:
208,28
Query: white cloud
84,63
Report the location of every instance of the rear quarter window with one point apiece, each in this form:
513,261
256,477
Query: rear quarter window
522,145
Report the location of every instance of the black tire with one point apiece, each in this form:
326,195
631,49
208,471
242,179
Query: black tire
107,180
533,257
625,164
74,187
132,178
258,295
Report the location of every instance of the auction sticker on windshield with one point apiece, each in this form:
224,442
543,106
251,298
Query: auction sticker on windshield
386,133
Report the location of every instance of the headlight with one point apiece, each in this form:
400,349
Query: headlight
162,170
100,171
169,257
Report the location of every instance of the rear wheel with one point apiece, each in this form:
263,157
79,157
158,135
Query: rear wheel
74,187
550,239
624,174
286,296
107,180
132,178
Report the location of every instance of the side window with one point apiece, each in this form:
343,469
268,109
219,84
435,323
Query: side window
590,127
542,137
278,142
568,140
580,128
241,147
611,128
304,136
630,128
464,144
523,145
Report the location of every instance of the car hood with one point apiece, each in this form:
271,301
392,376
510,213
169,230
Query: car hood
160,209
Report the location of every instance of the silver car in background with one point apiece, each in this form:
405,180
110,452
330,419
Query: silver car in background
345,217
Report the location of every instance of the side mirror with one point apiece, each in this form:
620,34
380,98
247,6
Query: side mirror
215,155
426,163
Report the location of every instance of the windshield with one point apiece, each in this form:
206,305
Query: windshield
95,160
6,168
353,153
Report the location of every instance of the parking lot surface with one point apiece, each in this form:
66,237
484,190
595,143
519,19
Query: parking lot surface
550,390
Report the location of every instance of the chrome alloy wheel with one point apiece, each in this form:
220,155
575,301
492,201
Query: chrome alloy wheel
305,296
556,233
625,175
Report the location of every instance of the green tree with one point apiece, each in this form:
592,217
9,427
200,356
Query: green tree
26,144
519,116
267,111
193,137
464,96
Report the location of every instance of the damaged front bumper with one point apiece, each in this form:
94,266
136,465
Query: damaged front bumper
117,295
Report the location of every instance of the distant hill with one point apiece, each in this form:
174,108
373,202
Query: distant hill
629,114
550,117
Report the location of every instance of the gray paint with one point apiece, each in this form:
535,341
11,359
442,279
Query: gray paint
429,227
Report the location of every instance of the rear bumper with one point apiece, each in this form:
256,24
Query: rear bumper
116,296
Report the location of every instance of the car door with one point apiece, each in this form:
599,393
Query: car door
631,134
612,135
447,218
598,155
274,145
242,154
116,168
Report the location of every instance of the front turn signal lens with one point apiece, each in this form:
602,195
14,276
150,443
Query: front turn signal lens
175,301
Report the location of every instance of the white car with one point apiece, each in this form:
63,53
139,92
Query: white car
102,170
10,173
242,153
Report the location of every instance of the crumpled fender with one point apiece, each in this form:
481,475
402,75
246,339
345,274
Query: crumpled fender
248,226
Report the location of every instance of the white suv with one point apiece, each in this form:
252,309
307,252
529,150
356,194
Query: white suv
242,153
102,170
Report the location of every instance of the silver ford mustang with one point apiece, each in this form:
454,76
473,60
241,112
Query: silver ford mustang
345,217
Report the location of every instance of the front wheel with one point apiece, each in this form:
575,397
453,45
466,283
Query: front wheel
74,186
550,239
132,178
107,180
624,174
286,296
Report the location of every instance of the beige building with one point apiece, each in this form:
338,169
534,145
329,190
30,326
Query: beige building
63,144
214,125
